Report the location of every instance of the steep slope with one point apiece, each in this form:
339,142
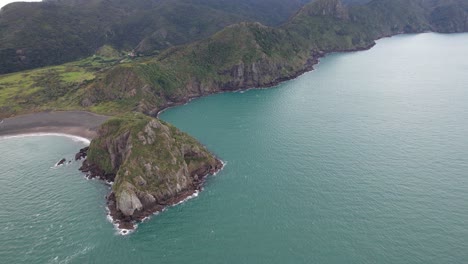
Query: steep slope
252,55
57,31
244,55
240,56
152,165
450,16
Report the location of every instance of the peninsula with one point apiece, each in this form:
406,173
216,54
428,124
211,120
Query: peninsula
151,163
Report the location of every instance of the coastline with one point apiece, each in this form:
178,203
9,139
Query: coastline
308,67
313,61
127,224
75,123
85,124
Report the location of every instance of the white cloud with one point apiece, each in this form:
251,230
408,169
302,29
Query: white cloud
4,2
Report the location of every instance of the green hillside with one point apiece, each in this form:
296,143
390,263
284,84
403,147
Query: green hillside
240,56
152,164
57,31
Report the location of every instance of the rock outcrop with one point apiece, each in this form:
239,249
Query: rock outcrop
61,162
81,154
152,165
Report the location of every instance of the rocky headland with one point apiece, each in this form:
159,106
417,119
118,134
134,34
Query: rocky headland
150,164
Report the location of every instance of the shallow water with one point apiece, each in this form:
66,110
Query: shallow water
364,160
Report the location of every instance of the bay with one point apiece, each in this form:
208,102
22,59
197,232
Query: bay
364,160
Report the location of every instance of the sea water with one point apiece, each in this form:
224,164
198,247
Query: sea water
364,160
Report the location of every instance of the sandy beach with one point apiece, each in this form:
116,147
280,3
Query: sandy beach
77,123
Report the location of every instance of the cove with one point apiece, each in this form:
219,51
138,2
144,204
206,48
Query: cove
363,160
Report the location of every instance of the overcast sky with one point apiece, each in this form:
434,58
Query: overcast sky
4,2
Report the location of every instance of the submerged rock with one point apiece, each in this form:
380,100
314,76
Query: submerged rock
152,165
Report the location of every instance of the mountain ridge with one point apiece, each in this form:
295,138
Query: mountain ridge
38,34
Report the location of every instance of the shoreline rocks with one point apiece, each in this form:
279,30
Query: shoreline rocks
82,153
150,164
128,222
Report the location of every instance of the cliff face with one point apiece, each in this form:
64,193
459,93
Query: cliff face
152,164
241,56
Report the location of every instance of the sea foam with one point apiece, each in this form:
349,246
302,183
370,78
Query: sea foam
73,137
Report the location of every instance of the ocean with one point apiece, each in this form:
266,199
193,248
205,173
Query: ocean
363,160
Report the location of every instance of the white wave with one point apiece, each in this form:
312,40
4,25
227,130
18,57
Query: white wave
222,168
73,137
57,164
119,231
125,232
194,195
109,217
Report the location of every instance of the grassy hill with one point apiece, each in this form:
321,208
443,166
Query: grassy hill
240,56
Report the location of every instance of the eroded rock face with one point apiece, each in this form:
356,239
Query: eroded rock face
127,200
154,165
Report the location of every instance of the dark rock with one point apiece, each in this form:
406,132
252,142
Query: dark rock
93,171
61,162
82,153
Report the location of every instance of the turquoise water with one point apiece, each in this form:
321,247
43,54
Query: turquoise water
364,160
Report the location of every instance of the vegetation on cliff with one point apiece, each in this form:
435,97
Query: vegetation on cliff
249,55
240,56
152,164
